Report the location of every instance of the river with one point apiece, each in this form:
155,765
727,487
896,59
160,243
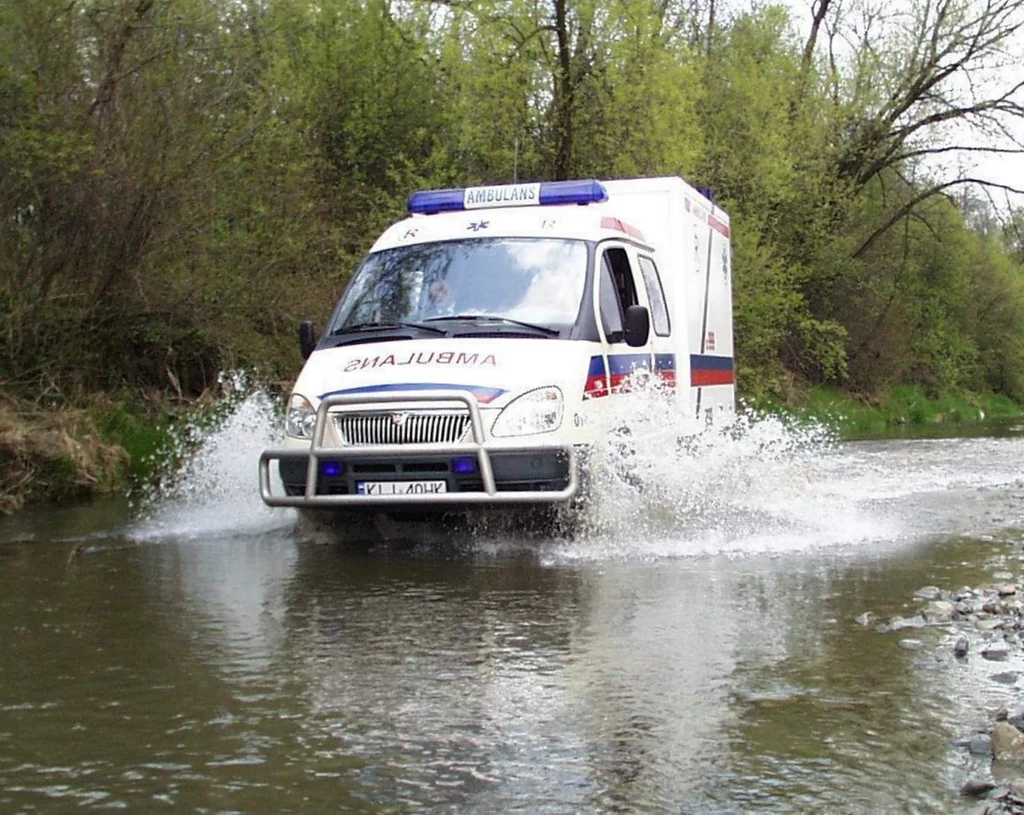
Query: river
693,648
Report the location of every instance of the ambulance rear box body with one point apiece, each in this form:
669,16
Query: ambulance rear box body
478,351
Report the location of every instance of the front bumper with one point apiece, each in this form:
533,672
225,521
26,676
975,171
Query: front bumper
504,473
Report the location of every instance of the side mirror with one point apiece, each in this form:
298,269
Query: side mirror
636,326
307,338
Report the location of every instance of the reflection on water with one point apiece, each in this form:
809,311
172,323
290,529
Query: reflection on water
270,676
149,664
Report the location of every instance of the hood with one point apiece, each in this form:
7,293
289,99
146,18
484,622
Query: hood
495,370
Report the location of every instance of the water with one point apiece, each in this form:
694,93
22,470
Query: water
692,649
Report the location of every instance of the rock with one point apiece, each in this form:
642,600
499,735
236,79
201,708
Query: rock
1002,576
928,593
911,645
882,628
1017,720
899,623
1007,590
1004,795
866,618
1005,678
941,611
976,787
1002,714
963,593
964,607
990,624
996,651
1007,743
980,745
961,648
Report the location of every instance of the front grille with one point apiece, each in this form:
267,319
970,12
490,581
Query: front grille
401,427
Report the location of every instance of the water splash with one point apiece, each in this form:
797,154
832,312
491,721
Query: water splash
665,485
214,491
660,486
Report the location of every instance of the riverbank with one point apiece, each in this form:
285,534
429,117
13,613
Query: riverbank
976,624
905,408
93,444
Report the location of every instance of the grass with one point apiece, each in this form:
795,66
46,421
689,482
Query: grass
905,406
141,434
109,443
105,443
54,454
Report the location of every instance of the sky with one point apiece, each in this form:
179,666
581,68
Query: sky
998,168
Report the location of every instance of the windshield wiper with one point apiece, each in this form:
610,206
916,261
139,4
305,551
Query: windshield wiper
352,329
551,332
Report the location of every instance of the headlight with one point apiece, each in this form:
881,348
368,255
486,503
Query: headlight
301,418
538,411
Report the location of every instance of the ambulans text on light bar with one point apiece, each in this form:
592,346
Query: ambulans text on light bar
548,193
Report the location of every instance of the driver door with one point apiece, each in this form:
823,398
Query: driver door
619,286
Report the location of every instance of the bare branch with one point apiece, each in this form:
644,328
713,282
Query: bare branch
957,148
909,206
819,10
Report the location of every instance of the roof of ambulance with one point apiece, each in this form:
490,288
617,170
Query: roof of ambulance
563,221
594,221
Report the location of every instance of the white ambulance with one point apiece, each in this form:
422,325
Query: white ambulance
473,356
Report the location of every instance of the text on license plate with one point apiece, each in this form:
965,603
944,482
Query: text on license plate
401,487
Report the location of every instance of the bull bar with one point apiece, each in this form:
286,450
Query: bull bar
480,447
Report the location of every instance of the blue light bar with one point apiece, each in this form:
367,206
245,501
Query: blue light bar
549,193
572,192
432,201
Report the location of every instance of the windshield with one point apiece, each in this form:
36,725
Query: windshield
530,280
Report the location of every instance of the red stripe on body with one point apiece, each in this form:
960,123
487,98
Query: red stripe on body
719,226
595,387
702,378
618,382
667,377
621,226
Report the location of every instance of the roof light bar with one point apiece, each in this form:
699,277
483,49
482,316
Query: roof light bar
548,193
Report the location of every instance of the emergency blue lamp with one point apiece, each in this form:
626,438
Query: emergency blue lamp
464,465
331,468
548,193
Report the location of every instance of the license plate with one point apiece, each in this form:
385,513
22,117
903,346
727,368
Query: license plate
401,487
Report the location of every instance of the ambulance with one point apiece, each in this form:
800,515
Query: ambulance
475,353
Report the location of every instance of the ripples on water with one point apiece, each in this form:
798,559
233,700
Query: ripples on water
689,648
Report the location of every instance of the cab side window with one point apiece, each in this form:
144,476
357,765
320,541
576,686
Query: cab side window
656,294
616,292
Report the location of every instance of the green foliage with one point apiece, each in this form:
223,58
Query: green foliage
904,408
137,431
182,183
